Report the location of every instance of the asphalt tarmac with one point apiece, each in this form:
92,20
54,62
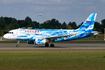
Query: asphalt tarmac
57,47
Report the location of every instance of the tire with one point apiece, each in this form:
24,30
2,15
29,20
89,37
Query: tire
46,45
17,45
52,45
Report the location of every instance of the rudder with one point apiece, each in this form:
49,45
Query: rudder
88,25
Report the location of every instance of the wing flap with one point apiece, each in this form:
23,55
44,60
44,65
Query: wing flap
55,37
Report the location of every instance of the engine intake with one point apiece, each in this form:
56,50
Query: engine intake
40,41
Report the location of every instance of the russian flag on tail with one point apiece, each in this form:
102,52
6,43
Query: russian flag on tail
87,21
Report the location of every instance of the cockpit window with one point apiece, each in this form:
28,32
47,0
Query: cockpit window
10,32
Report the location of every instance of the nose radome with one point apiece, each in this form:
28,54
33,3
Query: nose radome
4,36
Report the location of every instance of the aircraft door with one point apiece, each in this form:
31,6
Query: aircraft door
19,32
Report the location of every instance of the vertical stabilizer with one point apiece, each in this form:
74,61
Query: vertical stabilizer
88,25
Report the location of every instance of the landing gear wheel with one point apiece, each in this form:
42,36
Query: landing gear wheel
17,45
52,45
46,45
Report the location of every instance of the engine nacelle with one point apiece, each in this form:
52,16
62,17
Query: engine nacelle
40,41
30,42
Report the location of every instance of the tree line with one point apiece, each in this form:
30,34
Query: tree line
8,23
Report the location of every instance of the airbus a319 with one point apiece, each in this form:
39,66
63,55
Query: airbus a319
46,36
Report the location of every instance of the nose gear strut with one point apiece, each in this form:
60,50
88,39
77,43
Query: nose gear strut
18,44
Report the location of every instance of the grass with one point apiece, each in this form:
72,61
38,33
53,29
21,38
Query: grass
52,60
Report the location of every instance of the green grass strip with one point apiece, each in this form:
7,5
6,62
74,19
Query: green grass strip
52,60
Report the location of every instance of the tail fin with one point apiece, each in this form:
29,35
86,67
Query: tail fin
88,25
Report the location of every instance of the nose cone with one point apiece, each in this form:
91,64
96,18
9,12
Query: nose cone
5,36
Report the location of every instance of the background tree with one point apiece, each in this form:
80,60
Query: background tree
41,26
10,27
28,22
80,25
103,25
69,25
47,24
58,24
15,23
12,23
2,23
64,25
73,25
53,24
21,23
36,24
8,20
97,26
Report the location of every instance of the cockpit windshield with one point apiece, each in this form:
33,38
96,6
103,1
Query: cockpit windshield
10,33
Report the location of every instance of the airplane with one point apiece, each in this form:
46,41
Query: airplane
39,14
46,36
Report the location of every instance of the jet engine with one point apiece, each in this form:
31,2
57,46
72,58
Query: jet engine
40,41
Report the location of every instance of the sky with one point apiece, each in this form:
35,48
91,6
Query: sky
61,10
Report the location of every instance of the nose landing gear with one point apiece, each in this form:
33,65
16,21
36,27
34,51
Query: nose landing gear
18,44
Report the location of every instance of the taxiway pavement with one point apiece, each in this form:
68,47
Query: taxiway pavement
57,47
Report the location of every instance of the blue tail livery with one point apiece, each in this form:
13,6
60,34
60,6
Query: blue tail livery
46,36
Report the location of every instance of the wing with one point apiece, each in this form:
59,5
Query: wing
55,37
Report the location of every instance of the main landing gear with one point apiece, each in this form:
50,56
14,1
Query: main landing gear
47,45
18,44
51,45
